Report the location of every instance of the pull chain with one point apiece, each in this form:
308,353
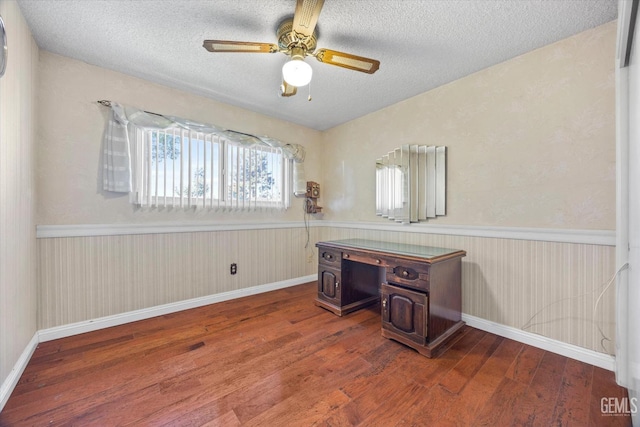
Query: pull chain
309,97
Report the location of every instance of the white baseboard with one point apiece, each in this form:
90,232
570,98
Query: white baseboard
159,310
12,380
582,354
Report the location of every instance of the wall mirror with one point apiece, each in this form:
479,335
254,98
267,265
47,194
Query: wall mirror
411,183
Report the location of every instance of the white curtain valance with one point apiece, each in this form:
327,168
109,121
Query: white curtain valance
117,148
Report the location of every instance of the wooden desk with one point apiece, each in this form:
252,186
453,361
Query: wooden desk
418,286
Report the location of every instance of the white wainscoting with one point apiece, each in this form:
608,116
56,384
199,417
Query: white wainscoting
83,278
533,286
541,283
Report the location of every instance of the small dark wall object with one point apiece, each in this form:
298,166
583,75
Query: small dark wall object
313,190
311,203
311,206
234,268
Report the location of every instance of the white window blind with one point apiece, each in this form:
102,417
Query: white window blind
184,168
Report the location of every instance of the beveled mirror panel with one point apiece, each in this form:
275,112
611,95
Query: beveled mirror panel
411,183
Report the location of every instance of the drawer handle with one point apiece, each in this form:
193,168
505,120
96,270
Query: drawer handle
377,261
328,256
346,255
337,284
405,273
384,303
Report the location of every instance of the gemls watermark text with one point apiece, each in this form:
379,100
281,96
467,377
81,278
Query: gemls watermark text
616,406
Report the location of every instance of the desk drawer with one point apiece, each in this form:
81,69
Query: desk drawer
329,257
365,259
408,276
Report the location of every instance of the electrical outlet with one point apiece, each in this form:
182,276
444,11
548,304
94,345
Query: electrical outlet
234,268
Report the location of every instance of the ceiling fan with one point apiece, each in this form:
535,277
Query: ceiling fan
297,38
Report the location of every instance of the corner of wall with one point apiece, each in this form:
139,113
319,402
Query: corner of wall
18,283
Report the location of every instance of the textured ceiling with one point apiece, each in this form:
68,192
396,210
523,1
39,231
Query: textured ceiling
420,44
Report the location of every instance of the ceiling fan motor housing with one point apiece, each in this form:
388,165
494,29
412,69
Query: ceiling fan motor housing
288,39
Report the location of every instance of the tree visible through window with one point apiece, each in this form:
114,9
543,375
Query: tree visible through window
184,168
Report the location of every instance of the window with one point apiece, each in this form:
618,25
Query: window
185,168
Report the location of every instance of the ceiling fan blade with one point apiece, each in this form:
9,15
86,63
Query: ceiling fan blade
231,46
306,16
287,90
346,60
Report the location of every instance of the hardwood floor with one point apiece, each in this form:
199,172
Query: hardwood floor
276,359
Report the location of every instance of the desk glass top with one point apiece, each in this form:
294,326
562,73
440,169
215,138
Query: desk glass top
427,252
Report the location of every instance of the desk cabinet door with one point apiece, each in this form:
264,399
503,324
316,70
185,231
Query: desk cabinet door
329,288
405,313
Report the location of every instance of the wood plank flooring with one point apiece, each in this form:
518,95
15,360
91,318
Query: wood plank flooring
276,359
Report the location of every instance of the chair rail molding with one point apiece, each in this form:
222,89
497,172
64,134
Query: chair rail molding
559,235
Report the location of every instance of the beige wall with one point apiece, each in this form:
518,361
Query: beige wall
531,141
89,277
70,130
17,191
531,144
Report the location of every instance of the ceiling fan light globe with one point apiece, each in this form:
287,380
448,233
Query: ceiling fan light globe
297,72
